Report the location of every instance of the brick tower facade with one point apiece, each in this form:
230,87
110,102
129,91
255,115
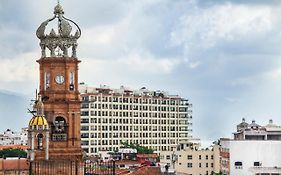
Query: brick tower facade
59,86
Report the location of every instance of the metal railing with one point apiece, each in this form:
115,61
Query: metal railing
99,168
51,167
67,167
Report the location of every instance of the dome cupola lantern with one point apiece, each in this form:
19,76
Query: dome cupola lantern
38,121
58,40
38,130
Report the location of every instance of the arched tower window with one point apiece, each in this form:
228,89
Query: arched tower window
59,129
71,85
47,83
40,141
60,125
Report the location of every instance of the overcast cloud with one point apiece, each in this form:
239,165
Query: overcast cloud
223,56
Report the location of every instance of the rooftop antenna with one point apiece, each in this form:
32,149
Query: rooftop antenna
31,112
36,95
35,101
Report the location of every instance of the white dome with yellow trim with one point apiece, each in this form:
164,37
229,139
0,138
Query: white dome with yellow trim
38,122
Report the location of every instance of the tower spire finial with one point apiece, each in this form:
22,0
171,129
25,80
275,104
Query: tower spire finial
58,9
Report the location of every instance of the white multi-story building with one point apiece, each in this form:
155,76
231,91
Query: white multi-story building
255,150
150,118
10,137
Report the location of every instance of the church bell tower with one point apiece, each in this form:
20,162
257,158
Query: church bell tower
59,85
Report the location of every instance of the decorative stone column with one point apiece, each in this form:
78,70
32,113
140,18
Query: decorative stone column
47,146
32,154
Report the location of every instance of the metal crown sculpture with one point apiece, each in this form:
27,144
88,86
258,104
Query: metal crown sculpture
60,41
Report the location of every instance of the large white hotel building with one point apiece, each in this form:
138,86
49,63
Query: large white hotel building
150,118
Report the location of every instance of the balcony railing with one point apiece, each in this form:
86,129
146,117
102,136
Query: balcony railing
59,137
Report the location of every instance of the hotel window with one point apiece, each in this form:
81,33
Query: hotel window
257,163
168,157
189,165
200,165
238,165
199,157
207,157
189,157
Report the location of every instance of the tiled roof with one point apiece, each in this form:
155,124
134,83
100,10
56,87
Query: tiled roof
147,155
146,170
23,147
126,162
117,172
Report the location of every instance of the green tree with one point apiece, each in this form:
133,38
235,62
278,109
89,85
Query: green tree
140,149
213,173
13,153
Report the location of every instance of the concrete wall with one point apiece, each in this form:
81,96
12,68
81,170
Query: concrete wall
248,152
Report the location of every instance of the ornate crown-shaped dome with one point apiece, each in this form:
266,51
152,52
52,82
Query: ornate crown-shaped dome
60,38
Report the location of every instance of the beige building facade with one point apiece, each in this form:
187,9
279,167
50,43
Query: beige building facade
193,160
150,118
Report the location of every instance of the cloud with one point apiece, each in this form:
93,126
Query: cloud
194,65
235,44
104,41
21,68
232,100
14,41
267,77
205,28
220,54
274,74
245,2
136,62
148,63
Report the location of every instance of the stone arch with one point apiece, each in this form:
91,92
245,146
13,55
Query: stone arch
40,137
60,124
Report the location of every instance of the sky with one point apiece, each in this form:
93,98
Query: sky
222,55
